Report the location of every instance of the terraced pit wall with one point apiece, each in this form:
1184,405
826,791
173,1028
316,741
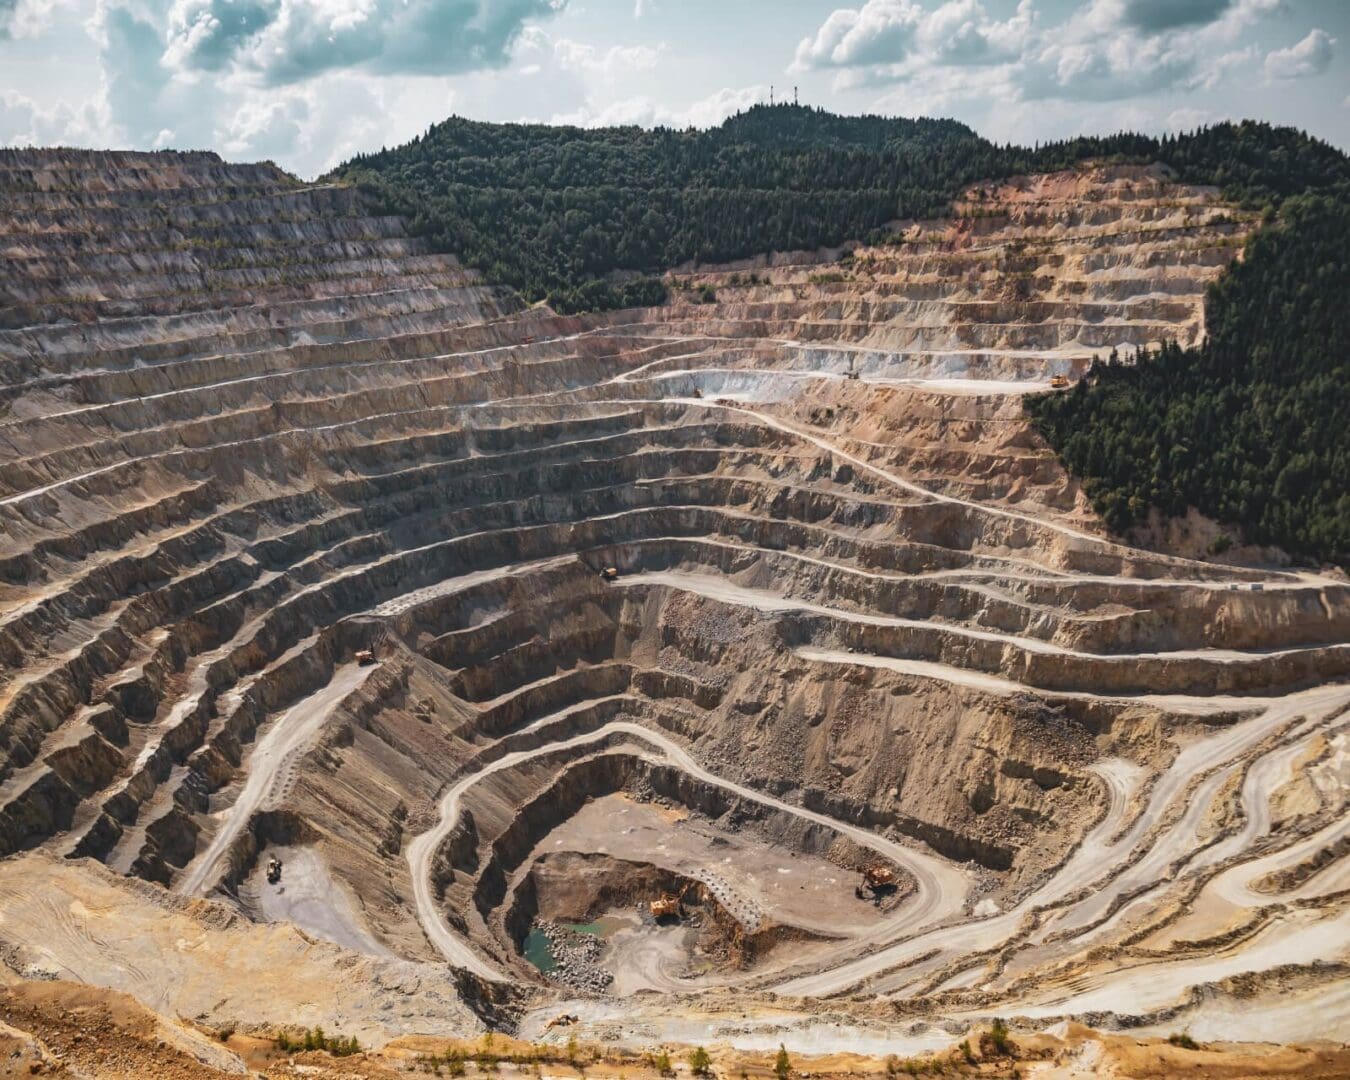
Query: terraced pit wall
249,429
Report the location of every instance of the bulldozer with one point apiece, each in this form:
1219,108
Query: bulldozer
365,657
1059,382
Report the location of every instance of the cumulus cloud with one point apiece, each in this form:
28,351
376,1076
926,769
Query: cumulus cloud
1311,56
887,40
960,32
206,34
286,41
26,18
304,81
1106,69
24,123
1105,51
881,31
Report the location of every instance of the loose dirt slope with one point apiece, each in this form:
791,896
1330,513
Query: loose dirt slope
861,616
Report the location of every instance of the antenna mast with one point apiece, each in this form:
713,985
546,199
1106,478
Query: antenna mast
794,95
770,93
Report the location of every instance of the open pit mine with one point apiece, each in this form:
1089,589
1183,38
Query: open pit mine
384,653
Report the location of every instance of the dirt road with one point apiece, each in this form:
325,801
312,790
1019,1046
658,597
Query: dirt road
942,886
269,768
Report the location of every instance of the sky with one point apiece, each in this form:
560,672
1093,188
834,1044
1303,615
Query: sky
308,83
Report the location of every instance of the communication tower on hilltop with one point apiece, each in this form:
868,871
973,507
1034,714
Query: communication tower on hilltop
770,93
794,95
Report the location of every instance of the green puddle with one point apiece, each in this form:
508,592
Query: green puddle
539,952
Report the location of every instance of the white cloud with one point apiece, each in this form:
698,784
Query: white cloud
1217,70
960,32
28,18
942,89
1107,50
1188,119
25,123
881,31
886,41
1311,56
607,64
1105,69
237,76
287,41
706,112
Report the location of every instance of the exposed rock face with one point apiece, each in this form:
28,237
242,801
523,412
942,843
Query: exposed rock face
249,430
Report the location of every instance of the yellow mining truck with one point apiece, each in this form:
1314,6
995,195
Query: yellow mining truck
877,877
610,573
1059,382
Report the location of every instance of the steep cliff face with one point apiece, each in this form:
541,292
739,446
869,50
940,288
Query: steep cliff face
861,616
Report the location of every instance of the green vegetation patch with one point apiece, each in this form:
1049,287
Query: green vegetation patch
586,218
1253,426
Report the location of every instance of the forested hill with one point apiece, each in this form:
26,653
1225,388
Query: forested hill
555,211
1250,428
1253,427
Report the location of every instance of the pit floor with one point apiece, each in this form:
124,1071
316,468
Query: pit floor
761,878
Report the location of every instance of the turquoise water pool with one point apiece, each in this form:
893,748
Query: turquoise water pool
539,951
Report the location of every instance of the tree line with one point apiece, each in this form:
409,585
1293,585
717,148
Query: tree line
587,218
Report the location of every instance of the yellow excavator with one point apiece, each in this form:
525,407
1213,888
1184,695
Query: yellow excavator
667,905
